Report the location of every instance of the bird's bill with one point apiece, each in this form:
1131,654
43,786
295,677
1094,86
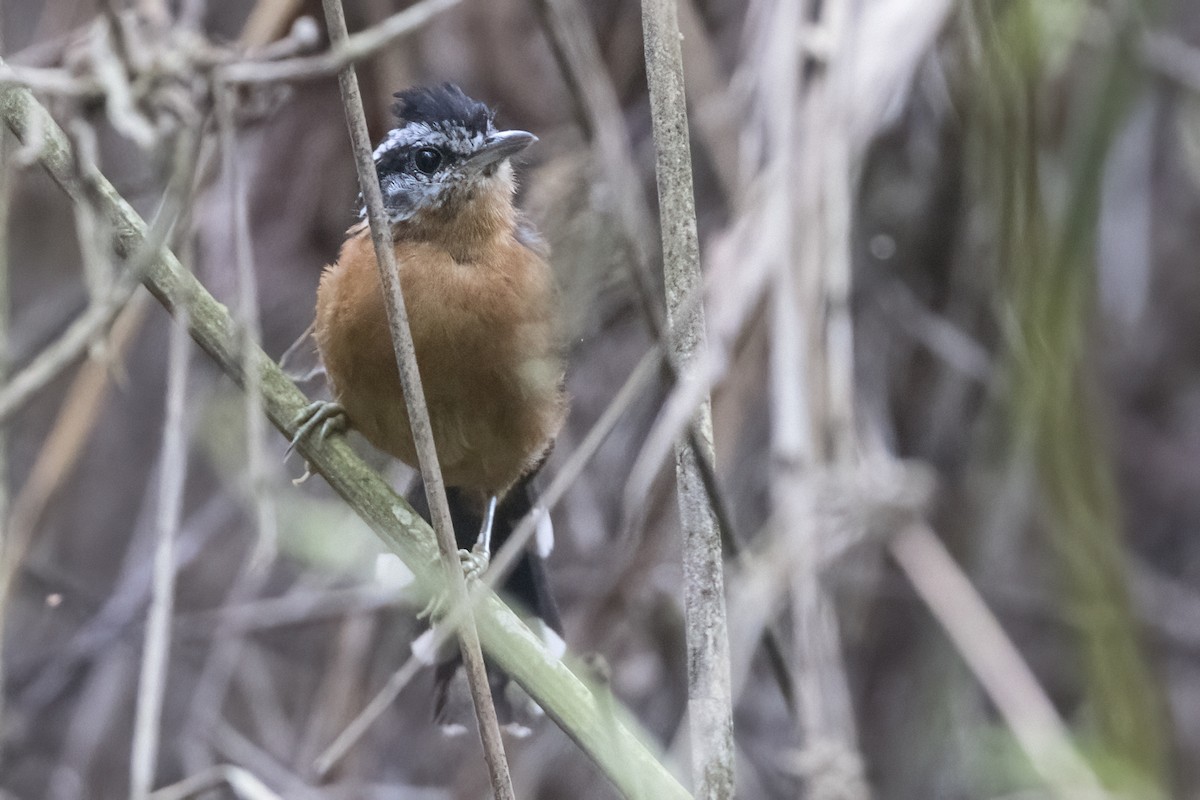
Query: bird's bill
500,146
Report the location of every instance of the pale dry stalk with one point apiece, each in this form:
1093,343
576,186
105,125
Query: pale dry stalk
418,413
710,699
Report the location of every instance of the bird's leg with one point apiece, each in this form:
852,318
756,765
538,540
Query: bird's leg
475,561
323,417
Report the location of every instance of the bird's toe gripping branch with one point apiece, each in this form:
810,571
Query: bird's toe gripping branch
474,564
322,417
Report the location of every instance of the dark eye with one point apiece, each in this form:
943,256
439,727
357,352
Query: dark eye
427,159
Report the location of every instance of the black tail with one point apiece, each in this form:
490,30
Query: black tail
525,588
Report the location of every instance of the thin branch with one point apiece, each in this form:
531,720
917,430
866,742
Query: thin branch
6,188
177,203
67,349
74,424
418,414
232,745
248,315
223,658
996,662
512,646
342,53
294,608
710,704
380,703
599,115
243,783
156,651
56,666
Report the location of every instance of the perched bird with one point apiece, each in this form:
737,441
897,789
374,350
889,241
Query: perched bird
481,306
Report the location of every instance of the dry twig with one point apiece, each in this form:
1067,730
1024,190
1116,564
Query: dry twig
156,651
710,704
173,472
343,53
977,635
418,413
6,180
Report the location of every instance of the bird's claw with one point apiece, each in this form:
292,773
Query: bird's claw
322,418
474,563
435,608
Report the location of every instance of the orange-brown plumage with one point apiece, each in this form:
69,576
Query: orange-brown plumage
481,309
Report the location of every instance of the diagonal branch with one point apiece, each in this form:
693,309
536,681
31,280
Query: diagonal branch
617,746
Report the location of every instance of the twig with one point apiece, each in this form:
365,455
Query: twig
243,783
251,330
380,703
294,608
223,658
103,698
100,314
599,115
234,746
172,475
710,704
66,350
418,413
49,80
343,53
995,661
84,401
156,650
55,667
6,186
63,446
267,21
336,697
786,230
91,233
513,647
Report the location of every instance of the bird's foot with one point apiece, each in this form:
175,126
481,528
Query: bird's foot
322,418
436,607
474,563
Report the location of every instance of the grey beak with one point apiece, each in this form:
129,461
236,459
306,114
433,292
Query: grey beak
500,146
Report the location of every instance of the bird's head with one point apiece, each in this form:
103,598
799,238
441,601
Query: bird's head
445,154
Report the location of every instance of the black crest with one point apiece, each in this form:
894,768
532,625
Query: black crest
441,106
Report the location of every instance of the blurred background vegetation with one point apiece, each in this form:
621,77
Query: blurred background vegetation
1001,199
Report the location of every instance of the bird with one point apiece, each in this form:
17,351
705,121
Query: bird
482,308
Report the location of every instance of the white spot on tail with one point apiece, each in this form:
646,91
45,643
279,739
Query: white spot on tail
391,573
554,642
424,647
544,534
453,729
